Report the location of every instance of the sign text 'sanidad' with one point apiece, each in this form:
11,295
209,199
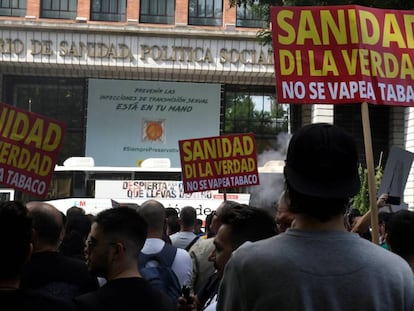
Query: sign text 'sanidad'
218,148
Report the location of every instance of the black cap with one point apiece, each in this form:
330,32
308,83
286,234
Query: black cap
322,161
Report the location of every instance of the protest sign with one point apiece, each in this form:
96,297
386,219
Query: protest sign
343,54
219,162
29,147
395,174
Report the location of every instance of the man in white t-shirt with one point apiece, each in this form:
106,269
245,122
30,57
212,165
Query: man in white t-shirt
154,213
187,220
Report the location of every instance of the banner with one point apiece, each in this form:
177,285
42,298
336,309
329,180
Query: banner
343,54
29,147
219,162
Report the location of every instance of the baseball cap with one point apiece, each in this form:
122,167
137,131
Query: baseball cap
322,161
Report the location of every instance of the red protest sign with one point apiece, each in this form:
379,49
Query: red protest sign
219,162
343,54
29,147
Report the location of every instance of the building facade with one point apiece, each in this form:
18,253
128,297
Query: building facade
67,59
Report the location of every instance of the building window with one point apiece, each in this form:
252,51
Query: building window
58,98
157,11
66,9
250,109
12,7
249,16
108,10
205,12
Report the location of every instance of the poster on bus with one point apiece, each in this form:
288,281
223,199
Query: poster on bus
130,121
29,147
170,193
219,162
343,54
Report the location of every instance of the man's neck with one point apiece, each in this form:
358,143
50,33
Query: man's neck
154,235
131,272
187,230
410,260
45,248
309,223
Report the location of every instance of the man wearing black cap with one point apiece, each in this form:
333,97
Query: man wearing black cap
317,265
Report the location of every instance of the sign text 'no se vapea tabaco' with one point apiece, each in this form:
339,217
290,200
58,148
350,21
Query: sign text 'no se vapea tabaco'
219,162
343,54
29,147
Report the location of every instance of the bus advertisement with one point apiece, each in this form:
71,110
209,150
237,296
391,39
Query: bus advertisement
110,193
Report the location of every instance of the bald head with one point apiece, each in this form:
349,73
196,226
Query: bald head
154,214
48,224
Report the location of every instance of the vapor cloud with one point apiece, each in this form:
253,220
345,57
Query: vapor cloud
271,185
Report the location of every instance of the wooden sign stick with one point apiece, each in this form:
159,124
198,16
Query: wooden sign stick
371,173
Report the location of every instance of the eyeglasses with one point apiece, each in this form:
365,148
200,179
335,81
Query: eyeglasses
92,243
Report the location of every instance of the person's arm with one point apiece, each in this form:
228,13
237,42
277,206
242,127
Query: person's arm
183,266
183,305
231,296
195,268
364,222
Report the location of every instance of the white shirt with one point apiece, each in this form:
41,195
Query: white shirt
212,305
182,239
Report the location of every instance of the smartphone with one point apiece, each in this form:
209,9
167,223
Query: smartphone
393,200
185,290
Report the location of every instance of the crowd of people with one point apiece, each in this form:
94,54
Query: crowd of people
313,253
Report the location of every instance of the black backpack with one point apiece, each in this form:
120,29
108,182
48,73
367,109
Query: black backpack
162,276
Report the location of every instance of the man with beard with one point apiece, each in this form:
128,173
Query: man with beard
116,237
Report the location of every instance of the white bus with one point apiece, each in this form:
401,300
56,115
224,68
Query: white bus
78,182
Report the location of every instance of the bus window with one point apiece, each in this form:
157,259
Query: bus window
6,194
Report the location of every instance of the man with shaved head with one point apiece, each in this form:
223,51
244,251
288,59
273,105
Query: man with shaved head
154,214
49,271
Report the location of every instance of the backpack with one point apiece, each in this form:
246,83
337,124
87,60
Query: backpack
187,248
161,276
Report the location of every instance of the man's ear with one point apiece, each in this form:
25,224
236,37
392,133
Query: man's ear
387,240
119,248
62,234
29,253
34,236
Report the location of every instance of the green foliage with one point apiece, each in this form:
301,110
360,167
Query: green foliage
264,36
361,200
242,116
